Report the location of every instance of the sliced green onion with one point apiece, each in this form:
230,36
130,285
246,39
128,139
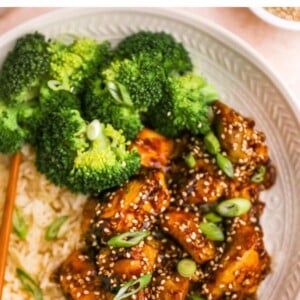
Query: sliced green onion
211,143
93,130
259,175
186,267
142,282
195,297
233,207
114,91
119,93
53,229
57,86
124,94
212,217
190,160
212,231
19,224
225,165
127,239
29,284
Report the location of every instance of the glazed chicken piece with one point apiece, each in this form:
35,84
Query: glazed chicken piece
202,183
171,287
237,136
119,265
88,214
79,280
132,207
244,264
155,150
183,226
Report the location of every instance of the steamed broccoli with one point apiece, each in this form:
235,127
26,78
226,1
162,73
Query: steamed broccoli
11,135
114,107
52,99
71,64
24,69
161,46
85,158
141,77
185,107
18,125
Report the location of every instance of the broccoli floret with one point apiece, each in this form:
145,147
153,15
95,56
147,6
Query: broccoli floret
52,99
185,106
29,118
71,64
18,126
113,107
86,158
161,46
24,69
12,136
141,77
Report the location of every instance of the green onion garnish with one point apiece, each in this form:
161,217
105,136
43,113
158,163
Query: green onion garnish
127,239
57,86
124,94
186,267
113,89
212,231
29,284
211,143
19,224
233,207
212,217
190,160
195,297
142,282
93,130
225,165
54,227
259,175
119,93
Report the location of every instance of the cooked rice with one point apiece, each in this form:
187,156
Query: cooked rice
40,202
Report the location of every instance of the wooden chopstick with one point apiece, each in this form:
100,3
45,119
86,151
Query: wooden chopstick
7,215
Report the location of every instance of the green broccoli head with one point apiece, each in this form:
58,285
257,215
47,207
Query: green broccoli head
53,98
111,105
29,118
85,158
142,77
12,136
161,46
185,106
24,69
71,64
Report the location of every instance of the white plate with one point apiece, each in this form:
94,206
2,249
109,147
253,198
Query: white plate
245,82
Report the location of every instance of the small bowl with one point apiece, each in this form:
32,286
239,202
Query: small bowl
274,20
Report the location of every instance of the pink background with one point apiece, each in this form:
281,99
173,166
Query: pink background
279,47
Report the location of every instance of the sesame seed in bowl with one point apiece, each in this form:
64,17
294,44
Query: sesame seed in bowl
282,17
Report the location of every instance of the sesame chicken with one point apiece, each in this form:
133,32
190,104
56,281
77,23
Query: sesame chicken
155,150
122,264
169,198
183,226
237,136
133,206
78,278
243,265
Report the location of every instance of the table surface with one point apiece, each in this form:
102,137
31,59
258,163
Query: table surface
279,47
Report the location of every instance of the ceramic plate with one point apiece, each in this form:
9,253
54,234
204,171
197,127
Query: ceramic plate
246,83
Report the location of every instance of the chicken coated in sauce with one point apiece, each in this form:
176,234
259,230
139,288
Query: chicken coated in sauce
169,198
